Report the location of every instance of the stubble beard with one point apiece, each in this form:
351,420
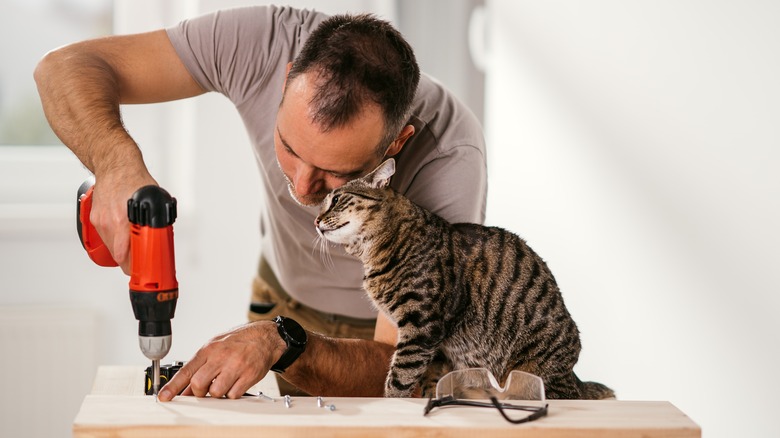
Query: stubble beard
309,200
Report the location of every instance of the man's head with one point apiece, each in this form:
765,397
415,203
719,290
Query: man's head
345,106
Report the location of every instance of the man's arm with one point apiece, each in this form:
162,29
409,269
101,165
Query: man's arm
346,367
81,87
231,363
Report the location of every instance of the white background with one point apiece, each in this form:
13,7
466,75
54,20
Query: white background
633,144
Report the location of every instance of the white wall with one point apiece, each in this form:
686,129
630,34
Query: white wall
635,145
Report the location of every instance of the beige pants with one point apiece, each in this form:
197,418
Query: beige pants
270,300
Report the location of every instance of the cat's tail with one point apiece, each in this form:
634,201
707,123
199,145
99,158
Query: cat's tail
595,391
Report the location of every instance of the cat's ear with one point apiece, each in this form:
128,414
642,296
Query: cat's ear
380,177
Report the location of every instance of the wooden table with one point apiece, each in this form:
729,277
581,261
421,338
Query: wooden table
117,408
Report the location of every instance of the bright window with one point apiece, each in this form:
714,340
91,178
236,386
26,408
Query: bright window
38,175
30,29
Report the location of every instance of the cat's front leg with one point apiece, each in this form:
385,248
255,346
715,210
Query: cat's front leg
405,373
413,354
439,366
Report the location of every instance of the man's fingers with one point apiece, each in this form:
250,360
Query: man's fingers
109,211
221,385
210,381
181,380
120,249
202,378
174,386
232,382
239,387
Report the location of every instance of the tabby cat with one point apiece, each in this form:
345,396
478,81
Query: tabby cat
476,295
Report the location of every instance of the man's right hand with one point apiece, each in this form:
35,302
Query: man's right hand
109,212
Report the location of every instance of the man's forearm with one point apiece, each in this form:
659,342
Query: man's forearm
80,96
342,367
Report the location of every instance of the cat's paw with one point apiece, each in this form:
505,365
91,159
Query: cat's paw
438,368
393,390
397,393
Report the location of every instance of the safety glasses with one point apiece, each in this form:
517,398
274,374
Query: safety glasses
472,386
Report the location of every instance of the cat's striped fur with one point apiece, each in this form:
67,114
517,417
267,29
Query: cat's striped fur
477,295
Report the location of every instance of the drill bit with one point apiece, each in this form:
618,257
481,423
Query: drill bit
156,374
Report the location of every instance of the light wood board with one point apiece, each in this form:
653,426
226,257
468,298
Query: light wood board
127,415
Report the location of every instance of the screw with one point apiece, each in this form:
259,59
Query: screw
330,407
287,401
261,395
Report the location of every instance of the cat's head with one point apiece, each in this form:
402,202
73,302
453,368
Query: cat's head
346,210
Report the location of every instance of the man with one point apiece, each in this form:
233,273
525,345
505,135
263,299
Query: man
324,101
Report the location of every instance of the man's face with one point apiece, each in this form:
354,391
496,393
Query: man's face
316,162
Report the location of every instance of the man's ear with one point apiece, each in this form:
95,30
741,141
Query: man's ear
398,144
380,177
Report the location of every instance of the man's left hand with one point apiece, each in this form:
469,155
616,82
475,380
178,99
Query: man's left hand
229,364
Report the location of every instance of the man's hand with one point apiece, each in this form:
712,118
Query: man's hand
229,364
109,211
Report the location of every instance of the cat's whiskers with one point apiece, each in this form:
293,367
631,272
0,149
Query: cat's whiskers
323,246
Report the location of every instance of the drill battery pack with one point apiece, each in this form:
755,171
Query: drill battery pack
166,373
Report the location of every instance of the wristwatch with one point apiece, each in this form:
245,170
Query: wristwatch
295,337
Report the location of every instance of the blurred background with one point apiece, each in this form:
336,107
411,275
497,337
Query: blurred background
634,144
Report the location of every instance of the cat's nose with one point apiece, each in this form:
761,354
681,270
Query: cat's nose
317,221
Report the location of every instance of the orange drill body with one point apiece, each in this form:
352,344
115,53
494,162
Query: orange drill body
153,286
153,267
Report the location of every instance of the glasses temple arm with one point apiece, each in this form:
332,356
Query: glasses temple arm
431,404
535,416
435,403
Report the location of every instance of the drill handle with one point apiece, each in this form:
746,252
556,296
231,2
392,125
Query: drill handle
152,212
88,235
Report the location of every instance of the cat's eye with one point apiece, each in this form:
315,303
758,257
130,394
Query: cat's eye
334,200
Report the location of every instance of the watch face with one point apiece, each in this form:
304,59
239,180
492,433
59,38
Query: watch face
295,332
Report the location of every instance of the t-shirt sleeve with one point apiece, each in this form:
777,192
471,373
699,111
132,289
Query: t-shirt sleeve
454,186
234,51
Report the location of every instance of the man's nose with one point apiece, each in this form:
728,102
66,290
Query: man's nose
308,180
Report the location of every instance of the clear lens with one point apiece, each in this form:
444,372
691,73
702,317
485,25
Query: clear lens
479,383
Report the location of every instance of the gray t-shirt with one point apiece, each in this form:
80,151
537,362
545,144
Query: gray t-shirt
242,53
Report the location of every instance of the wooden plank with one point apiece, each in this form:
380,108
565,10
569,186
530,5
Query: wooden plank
123,415
118,380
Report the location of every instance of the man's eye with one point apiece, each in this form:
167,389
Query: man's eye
340,176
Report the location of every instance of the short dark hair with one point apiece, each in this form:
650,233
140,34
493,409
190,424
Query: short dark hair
358,58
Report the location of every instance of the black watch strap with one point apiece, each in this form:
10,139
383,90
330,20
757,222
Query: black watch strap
295,337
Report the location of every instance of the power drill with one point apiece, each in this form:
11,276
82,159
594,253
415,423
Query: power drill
153,286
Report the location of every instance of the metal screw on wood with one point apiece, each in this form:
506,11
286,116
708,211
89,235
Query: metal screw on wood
261,395
287,401
330,407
